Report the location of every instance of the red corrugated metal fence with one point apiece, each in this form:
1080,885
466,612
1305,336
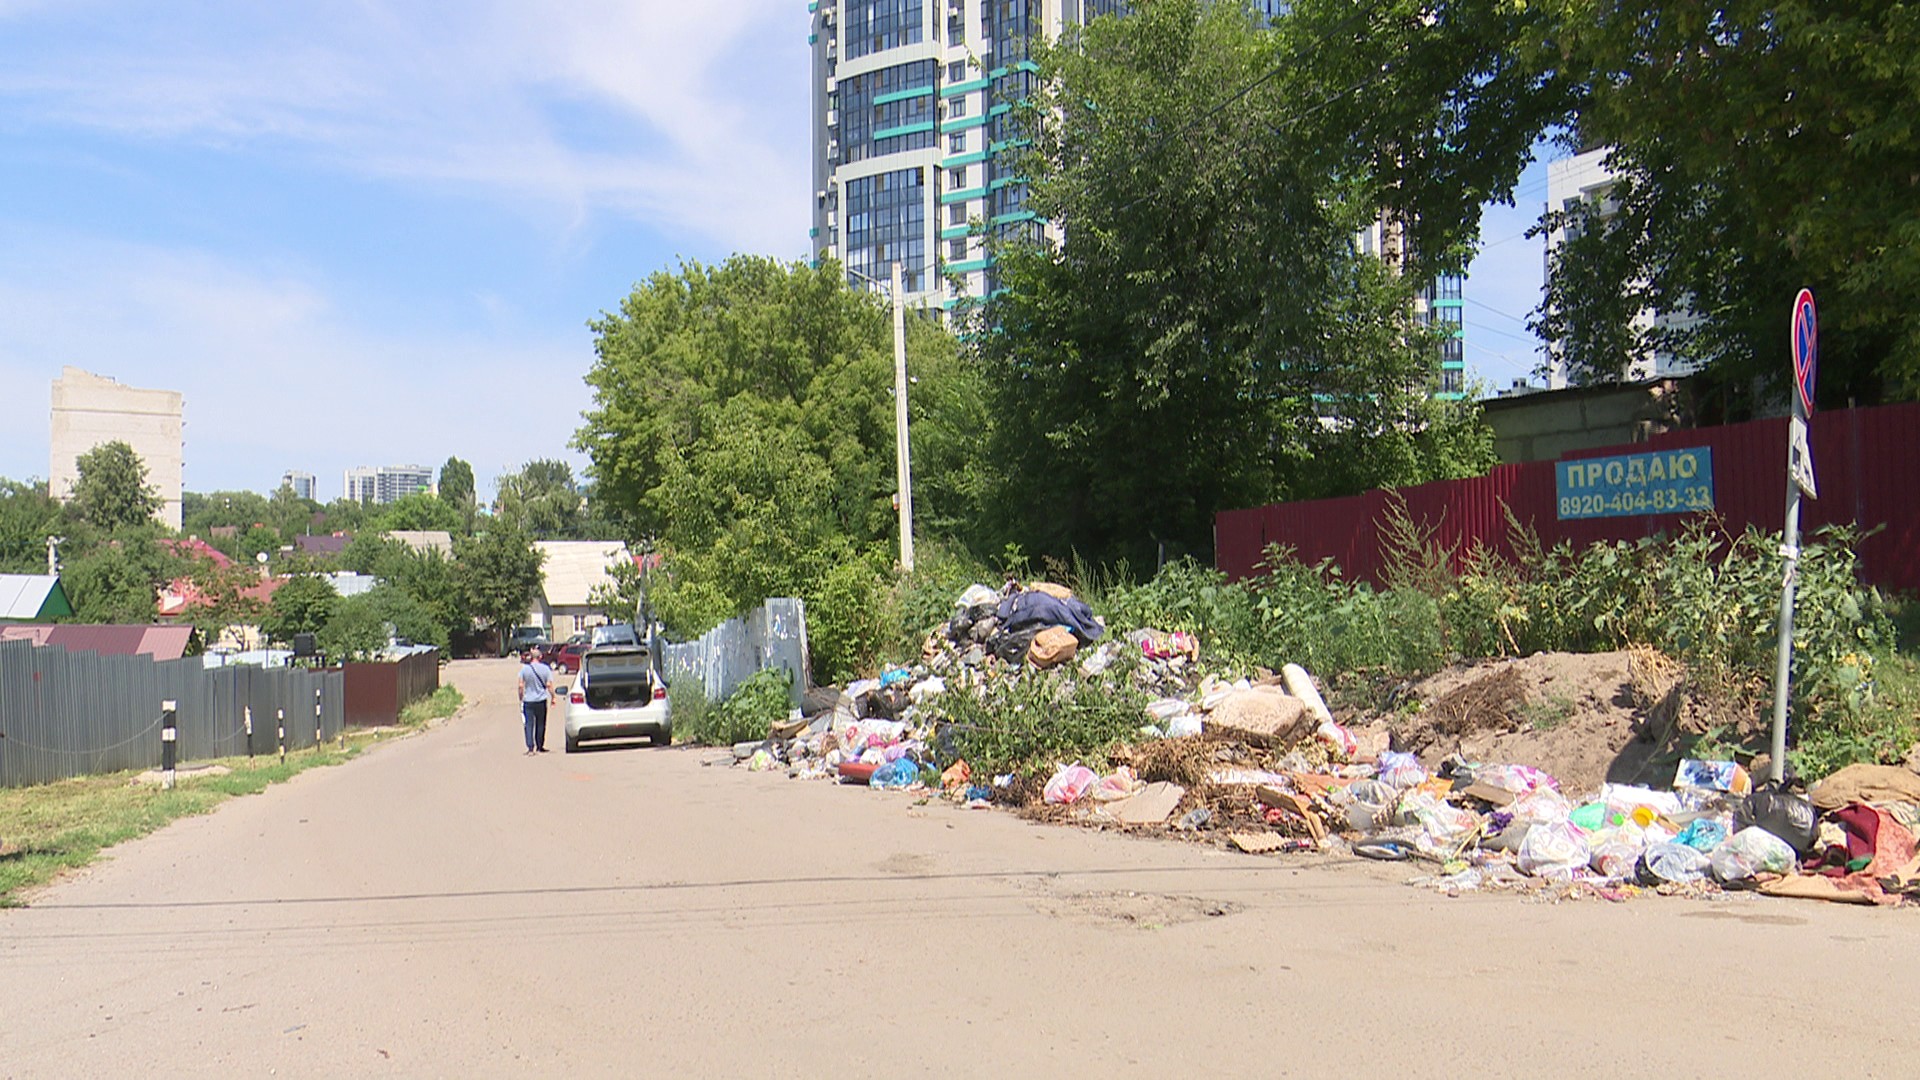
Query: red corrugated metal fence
1867,461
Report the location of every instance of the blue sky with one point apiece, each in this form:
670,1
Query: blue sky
367,233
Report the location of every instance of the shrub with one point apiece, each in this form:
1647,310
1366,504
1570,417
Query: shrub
1027,725
745,716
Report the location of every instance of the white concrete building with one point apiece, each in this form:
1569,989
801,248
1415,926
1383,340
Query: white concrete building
302,483
89,410
1585,178
386,484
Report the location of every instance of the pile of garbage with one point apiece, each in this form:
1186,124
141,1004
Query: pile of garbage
1259,764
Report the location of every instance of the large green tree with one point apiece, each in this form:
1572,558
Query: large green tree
1207,333
421,510
498,569
304,605
117,579
28,516
456,483
1760,147
743,420
111,491
543,500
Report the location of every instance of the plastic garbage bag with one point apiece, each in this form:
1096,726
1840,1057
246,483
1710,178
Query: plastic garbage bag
899,773
1678,863
927,688
1069,784
1166,708
1442,824
1183,726
1118,784
1517,779
1616,852
1541,806
1703,834
1399,770
1752,850
1782,813
1338,738
1556,850
977,594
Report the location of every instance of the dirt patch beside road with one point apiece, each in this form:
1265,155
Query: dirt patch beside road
1582,717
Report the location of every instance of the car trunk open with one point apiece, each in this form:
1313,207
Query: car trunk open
618,677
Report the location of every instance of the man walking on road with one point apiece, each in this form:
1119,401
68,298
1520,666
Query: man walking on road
536,687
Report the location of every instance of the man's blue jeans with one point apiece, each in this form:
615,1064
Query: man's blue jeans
535,715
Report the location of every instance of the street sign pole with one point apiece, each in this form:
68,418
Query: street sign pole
1805,347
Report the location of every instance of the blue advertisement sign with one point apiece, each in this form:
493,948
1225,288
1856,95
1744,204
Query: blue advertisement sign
1665,482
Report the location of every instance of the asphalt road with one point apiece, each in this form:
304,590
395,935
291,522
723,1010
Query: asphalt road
447,906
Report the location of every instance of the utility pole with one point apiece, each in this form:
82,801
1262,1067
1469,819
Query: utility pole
903,468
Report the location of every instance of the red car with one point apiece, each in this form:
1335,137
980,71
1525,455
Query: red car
566,658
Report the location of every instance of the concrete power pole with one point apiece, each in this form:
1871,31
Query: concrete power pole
903,467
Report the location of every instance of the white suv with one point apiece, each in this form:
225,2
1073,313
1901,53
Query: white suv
619,694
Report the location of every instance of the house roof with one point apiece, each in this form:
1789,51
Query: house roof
438,540
159,642
184,593
573,567
32,596
325,544
193,547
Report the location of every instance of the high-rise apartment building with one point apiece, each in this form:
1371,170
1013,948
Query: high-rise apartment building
913,142
388,483
90,409
1585,178
912,103
360,484
301,483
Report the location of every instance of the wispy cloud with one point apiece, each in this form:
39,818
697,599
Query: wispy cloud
637,107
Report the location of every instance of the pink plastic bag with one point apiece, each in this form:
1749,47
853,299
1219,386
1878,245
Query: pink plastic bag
1069,784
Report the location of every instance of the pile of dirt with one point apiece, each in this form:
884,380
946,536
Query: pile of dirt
1586,718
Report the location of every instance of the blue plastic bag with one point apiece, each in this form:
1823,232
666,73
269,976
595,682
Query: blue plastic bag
900,773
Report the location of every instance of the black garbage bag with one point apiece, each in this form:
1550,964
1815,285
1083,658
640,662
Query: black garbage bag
1782,813
1011,646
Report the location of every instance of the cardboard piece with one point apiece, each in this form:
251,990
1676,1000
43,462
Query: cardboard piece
1151,807
1256,843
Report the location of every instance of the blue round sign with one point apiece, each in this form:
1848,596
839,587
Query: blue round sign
1806,348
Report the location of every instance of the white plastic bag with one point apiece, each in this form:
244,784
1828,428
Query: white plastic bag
1541,806
1556,850
1399,770
1677,863
1752,850
1616,852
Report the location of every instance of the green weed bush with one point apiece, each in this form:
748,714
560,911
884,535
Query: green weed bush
1030,724
744,716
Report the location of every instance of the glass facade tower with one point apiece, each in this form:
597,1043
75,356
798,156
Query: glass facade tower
912,107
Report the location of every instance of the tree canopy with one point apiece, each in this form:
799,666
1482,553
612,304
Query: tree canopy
456,483
1760,148
111,490
1206,333
498,570
743,420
